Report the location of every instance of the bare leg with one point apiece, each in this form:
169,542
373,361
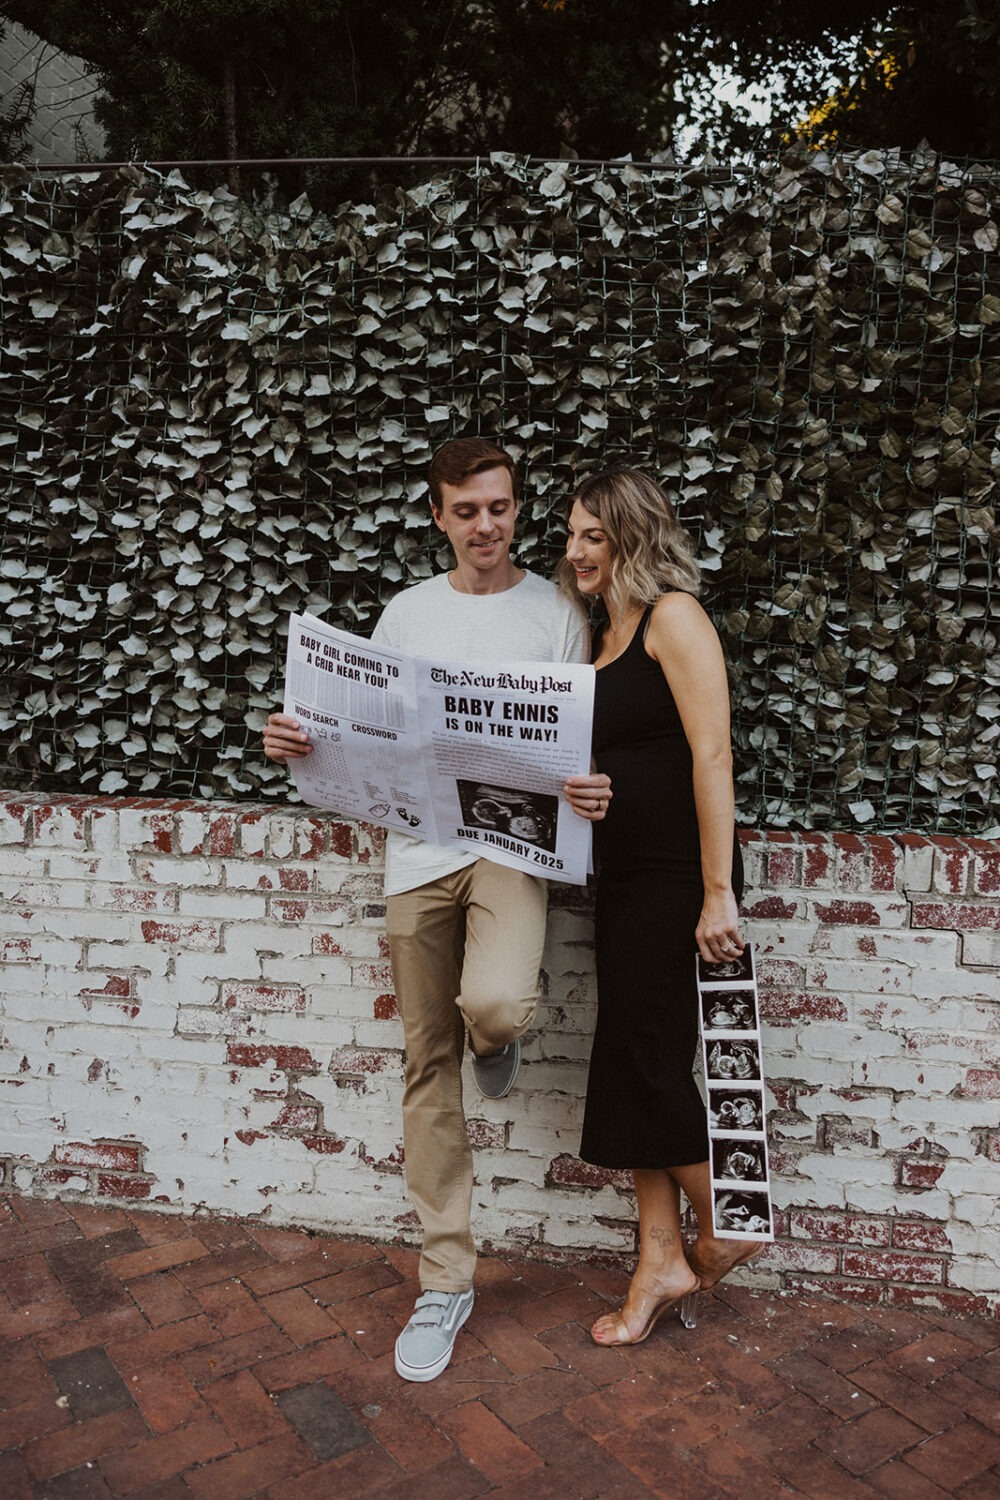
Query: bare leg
663,1274
710,1258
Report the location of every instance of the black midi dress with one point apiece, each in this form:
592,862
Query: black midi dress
643,1106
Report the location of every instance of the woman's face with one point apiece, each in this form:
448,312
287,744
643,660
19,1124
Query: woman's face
589,552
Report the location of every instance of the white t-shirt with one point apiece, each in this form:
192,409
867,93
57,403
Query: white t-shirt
532,621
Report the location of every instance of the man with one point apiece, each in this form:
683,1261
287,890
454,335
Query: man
465,934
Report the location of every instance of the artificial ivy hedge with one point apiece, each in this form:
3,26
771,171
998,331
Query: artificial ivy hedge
216,416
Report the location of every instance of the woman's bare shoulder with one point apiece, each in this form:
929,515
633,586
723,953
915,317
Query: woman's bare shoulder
678,605
677,616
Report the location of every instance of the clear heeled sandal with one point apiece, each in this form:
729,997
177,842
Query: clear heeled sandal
686,1306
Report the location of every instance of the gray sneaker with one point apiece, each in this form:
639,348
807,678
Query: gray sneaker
424,1347
495,1072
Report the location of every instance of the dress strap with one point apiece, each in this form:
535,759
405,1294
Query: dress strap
643,626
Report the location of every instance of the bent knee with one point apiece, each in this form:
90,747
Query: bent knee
496,1019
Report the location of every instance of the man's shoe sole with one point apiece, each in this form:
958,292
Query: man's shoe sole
502,1094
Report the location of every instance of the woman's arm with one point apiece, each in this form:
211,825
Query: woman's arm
683,640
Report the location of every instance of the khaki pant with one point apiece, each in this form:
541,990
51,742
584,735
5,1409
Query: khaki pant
465,952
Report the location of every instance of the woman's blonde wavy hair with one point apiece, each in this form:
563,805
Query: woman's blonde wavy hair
651,553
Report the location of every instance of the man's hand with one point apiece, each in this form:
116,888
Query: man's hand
285,739
588,795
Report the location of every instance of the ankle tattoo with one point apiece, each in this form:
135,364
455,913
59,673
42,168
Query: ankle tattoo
661,1236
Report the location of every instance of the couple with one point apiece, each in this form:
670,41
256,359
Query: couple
466,935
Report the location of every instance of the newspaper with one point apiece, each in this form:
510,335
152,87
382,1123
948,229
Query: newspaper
470,755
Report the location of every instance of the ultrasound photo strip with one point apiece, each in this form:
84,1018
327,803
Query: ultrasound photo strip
729,1012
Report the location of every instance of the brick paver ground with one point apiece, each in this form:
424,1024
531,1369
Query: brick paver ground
159,1358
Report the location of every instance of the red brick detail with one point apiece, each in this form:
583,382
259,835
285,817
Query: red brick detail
391,1165
567,1171
249,1136
796,1255
986,870
221,838
18,813
817,862
981,1083
839,1130
289,911
840,1229
385,1008
771,909
959,1304
990,1146
362,1060
952,864
247,995
110,1156
884,1265
123,898
258,1055
294,880
868,1293
885,859
118,987
326,1145
326,943
919,1174
373,976
250,820
39,817
486,1135
784,1157
341,839
848,914
780,866
18,951
313,838
297,1117
111,1185
920,1235
956,916
787,1005
188,934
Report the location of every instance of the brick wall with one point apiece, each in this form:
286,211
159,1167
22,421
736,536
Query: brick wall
197,1011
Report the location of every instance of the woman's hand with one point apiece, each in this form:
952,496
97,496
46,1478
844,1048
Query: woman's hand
588,795
285,739
718,930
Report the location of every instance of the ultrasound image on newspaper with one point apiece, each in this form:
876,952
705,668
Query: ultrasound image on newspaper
734,1080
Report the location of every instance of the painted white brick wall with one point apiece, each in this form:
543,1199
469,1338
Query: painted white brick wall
197,1011
63,128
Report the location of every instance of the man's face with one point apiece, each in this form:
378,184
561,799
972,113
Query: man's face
478,518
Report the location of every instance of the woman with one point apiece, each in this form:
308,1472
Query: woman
669,877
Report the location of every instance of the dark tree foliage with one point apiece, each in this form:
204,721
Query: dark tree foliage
932,73
195,79
861,75
183,79
16,111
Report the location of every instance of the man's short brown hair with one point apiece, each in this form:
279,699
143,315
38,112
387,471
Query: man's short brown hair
457,461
